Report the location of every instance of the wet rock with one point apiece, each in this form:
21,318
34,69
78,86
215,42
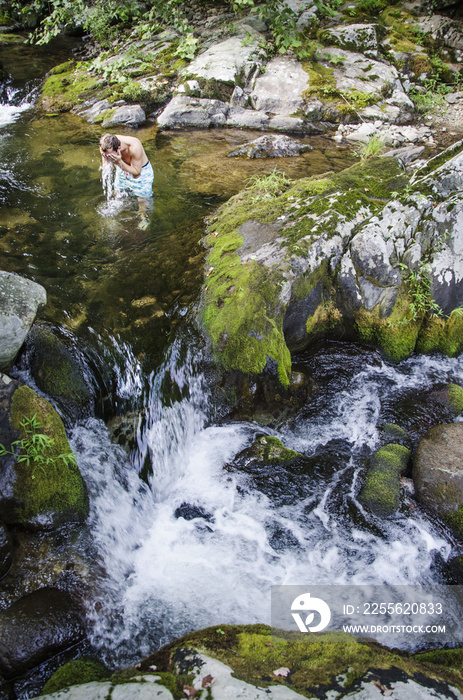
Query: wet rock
6,550
279,90
190,511
438,473
267,449
58,372
391,433
271,147
405,155
48,491
20,299
127,115
37,627
381,491
183,111
92,112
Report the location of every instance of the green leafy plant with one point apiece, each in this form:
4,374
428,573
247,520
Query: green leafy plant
419,291
187,47
35,448
372,147
267,187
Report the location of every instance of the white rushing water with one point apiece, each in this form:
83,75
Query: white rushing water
163,575
15,104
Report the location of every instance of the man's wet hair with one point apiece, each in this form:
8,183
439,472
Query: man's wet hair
109,142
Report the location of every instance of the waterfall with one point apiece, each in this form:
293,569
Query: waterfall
202,543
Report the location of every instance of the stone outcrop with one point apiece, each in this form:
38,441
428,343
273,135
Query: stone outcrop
20,300
438,473
339,255
256,663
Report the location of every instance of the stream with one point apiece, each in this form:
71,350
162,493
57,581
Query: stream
198,541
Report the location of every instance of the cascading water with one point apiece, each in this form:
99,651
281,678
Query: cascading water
203,543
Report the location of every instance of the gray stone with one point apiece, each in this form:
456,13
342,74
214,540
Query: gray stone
271,147
91,113
6,550
127,115
279,90
229,62
183,111
241,118
294,125
448,31
238,98
405,155
86,691
20,299
361,38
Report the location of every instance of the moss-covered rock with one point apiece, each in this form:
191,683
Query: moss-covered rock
381,491
329,661
392,433
268,449
57,371
50,490
66,87
75,672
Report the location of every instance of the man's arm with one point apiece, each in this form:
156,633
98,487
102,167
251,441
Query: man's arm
136,160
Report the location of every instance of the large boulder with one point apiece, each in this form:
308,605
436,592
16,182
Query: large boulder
37,627
193,112
438,473
271,146
127,115
41,492
341,255
20,300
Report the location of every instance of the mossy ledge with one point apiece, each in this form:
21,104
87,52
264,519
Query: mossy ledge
380,493
59,488
255,651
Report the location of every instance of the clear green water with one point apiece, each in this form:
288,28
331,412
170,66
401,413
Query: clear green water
101,271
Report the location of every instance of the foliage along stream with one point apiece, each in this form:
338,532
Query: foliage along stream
199,544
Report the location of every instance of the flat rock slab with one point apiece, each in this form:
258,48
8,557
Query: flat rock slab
271,146
185,111
354,37
279,90
20,299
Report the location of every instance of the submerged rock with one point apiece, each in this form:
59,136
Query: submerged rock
20,299
438,473
6,550
37,627
58,372
271,147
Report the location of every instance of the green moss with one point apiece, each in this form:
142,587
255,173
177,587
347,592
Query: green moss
455,521
270,449
6,38
392,433
66,67
451,658
326,321
75,672
455,397
59,488
255,651
55,369
381,490
396,338
63,91
441,335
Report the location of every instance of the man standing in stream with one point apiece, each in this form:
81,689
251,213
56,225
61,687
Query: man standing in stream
134,172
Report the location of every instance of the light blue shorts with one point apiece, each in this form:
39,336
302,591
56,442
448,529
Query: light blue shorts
141,186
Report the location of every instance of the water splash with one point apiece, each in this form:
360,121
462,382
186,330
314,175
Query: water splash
115,201
14,102
203,543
